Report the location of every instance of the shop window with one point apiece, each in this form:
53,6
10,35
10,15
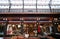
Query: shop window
2,26
14,29
1,29
30,29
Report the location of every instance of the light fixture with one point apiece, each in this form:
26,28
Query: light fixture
19,26
13,25
41,26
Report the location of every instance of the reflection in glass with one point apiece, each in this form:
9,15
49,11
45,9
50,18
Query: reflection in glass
14,29
30,29
1,29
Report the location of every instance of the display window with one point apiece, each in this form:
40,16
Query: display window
30,28
1,29
14,29
2,26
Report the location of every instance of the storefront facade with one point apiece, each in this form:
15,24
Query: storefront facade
30,26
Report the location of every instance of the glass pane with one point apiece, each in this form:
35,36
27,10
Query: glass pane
16,7
29,7
30,29
3,1
16,2
30,4
14,26
43,8
43,2
55,7
4,4
55,2
2,26
4,7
